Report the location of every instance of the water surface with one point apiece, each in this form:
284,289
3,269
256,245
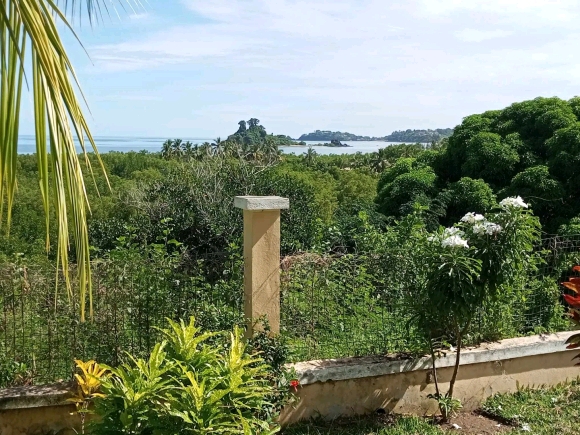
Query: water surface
105,144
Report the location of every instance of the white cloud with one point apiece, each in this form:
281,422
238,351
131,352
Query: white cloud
140,16
475,35
545,11
361,59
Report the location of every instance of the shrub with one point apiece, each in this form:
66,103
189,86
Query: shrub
405,189
187,387
467,195
467,265
489,158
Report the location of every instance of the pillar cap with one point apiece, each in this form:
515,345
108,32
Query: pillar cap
261,202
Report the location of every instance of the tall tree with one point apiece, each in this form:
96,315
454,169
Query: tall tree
31,51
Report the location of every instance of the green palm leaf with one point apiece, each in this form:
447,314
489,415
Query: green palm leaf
29,41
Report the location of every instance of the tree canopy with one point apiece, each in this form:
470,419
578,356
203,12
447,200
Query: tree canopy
531,148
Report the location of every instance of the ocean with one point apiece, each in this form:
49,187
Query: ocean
105,144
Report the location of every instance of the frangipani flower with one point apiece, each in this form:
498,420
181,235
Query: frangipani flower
487,228
512,202
454,241
472,218
452,231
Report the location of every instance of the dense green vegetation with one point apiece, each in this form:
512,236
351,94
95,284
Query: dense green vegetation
419,136
529,149
166,242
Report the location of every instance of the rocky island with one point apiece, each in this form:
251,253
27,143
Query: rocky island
334,143
408,136
326,135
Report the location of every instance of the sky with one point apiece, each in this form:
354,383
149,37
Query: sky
194,68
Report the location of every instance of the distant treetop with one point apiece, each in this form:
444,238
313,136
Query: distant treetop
409,136
325,135
419,136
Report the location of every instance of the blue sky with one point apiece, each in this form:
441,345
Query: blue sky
194,68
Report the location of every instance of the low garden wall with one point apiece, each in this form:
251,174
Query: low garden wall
354,386
334,388
38,410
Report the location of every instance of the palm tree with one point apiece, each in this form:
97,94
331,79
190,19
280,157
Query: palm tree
271,147
167,149
310,156
176,149
205,150
32,52
188,149
218,146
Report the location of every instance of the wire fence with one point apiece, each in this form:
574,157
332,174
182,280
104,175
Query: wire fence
41,334
340,306
331,307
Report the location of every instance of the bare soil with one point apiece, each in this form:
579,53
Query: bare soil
474,423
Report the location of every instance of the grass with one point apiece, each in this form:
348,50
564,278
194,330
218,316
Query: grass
368,426
548,411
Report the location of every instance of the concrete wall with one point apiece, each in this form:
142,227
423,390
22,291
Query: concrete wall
50,420
341,387
39,410
347,387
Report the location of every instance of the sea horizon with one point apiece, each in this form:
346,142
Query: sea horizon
105,144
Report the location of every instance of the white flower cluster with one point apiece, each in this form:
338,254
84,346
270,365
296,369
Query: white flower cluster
452,231
453,238
487,228
512,202
481,226
472,218
454,242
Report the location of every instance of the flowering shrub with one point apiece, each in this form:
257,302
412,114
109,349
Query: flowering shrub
468,264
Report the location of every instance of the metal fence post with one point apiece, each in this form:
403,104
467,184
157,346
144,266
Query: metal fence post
262,259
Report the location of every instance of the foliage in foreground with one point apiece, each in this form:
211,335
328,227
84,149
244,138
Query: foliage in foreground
187,386
547,411
31,41
573,284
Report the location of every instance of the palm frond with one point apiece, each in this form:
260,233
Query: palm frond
29,41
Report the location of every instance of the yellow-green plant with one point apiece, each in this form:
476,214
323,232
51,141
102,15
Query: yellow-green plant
188,386
32,52
88,384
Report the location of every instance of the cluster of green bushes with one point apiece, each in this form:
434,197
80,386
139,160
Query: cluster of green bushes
529,149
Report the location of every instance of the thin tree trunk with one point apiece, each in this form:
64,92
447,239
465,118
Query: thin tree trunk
456,368
460,333
433,368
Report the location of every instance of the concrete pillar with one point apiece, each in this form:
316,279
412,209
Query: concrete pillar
262,258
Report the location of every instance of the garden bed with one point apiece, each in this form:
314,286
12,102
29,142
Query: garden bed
545,411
